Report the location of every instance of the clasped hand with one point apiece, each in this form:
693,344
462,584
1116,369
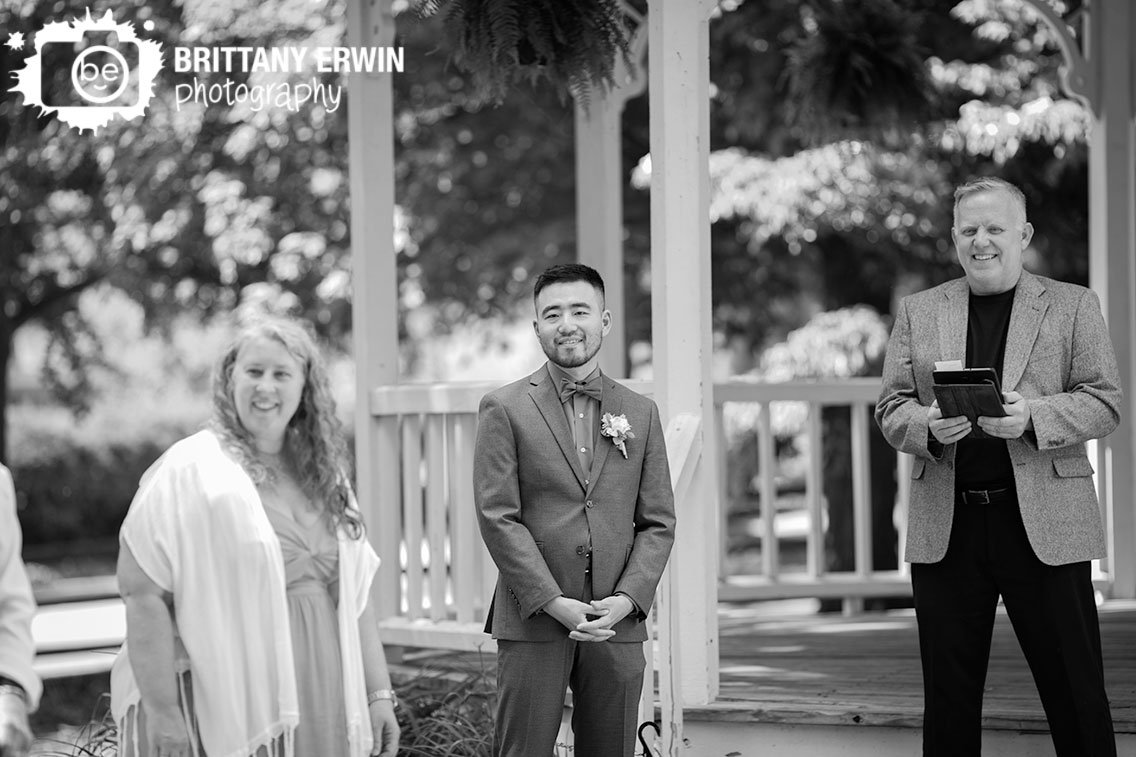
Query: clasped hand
573,615
1011,426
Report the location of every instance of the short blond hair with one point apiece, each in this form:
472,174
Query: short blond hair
989,184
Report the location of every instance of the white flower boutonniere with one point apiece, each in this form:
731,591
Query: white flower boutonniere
618,429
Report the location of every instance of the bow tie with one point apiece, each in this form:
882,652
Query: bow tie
590,388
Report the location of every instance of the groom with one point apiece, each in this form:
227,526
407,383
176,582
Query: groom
574,500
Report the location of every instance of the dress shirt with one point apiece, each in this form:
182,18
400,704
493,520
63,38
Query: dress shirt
582,413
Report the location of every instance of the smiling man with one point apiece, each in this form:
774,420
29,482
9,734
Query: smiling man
1014,514
574,501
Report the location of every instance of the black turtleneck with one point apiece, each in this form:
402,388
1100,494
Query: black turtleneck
985,463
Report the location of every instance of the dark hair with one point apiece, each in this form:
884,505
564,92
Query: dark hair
566,274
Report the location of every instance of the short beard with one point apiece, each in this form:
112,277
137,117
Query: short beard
574,362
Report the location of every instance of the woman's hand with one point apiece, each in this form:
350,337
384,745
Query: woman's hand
384,727
15,734
167,734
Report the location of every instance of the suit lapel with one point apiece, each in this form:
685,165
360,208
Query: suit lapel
1025,321
547,400
610,403
952,321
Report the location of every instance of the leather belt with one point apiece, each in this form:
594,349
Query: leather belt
985,496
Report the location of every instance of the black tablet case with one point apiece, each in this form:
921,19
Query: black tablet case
971,392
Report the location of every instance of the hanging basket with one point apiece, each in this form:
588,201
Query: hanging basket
858,72
571,44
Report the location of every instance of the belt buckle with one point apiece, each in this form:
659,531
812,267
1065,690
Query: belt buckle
985,496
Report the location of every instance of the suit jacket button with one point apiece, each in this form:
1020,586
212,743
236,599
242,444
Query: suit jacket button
588,503
580,551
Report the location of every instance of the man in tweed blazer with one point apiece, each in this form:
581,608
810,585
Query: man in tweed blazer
578,514
1015,514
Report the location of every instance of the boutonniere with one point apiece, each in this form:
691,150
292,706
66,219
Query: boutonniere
618,429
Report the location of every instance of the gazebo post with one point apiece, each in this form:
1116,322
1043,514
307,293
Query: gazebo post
374,306
1100,71
680,315
1112,261
599,191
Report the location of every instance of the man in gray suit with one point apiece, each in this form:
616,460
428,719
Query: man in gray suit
574,501
1015,514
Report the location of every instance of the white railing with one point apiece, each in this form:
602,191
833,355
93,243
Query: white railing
442,579
803,402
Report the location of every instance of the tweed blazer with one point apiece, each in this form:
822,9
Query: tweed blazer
1060,359
539,513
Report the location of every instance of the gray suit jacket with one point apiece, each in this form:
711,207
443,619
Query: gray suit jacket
538,516
1060,359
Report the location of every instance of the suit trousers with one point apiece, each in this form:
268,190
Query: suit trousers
1053,614
606,679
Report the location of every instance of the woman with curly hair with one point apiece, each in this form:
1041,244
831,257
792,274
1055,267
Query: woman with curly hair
246,577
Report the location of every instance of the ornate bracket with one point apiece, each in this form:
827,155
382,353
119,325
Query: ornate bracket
631,84
1078,76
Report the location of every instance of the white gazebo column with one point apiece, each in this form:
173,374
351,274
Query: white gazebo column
679,60
599,191
374,306
1100,71
1112,260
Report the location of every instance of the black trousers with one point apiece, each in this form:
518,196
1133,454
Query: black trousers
1054,616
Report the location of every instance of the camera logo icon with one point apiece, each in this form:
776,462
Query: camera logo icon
90,72
96,70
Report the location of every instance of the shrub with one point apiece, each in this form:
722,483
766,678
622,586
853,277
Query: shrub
74,480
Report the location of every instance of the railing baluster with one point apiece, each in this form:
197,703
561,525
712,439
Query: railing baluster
861,491
412,511
723,493
436,525
382,515
767,468
814,493
465,566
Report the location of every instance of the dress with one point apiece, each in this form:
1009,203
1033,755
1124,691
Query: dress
311,559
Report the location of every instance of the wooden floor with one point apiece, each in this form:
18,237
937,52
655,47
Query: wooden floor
786,667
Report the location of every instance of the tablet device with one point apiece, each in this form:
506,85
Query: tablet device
971,392
968,376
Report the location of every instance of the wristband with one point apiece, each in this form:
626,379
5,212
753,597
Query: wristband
15,690
379,695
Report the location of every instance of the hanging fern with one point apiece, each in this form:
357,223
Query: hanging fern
572,44
860,70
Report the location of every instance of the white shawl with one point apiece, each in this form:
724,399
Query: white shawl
198,529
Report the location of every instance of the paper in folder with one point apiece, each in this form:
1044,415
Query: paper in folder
971,392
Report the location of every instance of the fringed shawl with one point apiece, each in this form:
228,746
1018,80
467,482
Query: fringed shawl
198,529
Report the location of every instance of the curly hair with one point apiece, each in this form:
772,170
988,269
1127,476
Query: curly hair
313,441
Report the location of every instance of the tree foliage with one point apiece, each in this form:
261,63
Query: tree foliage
198,208
190,209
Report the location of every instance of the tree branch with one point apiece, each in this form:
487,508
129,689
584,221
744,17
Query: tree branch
53,295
